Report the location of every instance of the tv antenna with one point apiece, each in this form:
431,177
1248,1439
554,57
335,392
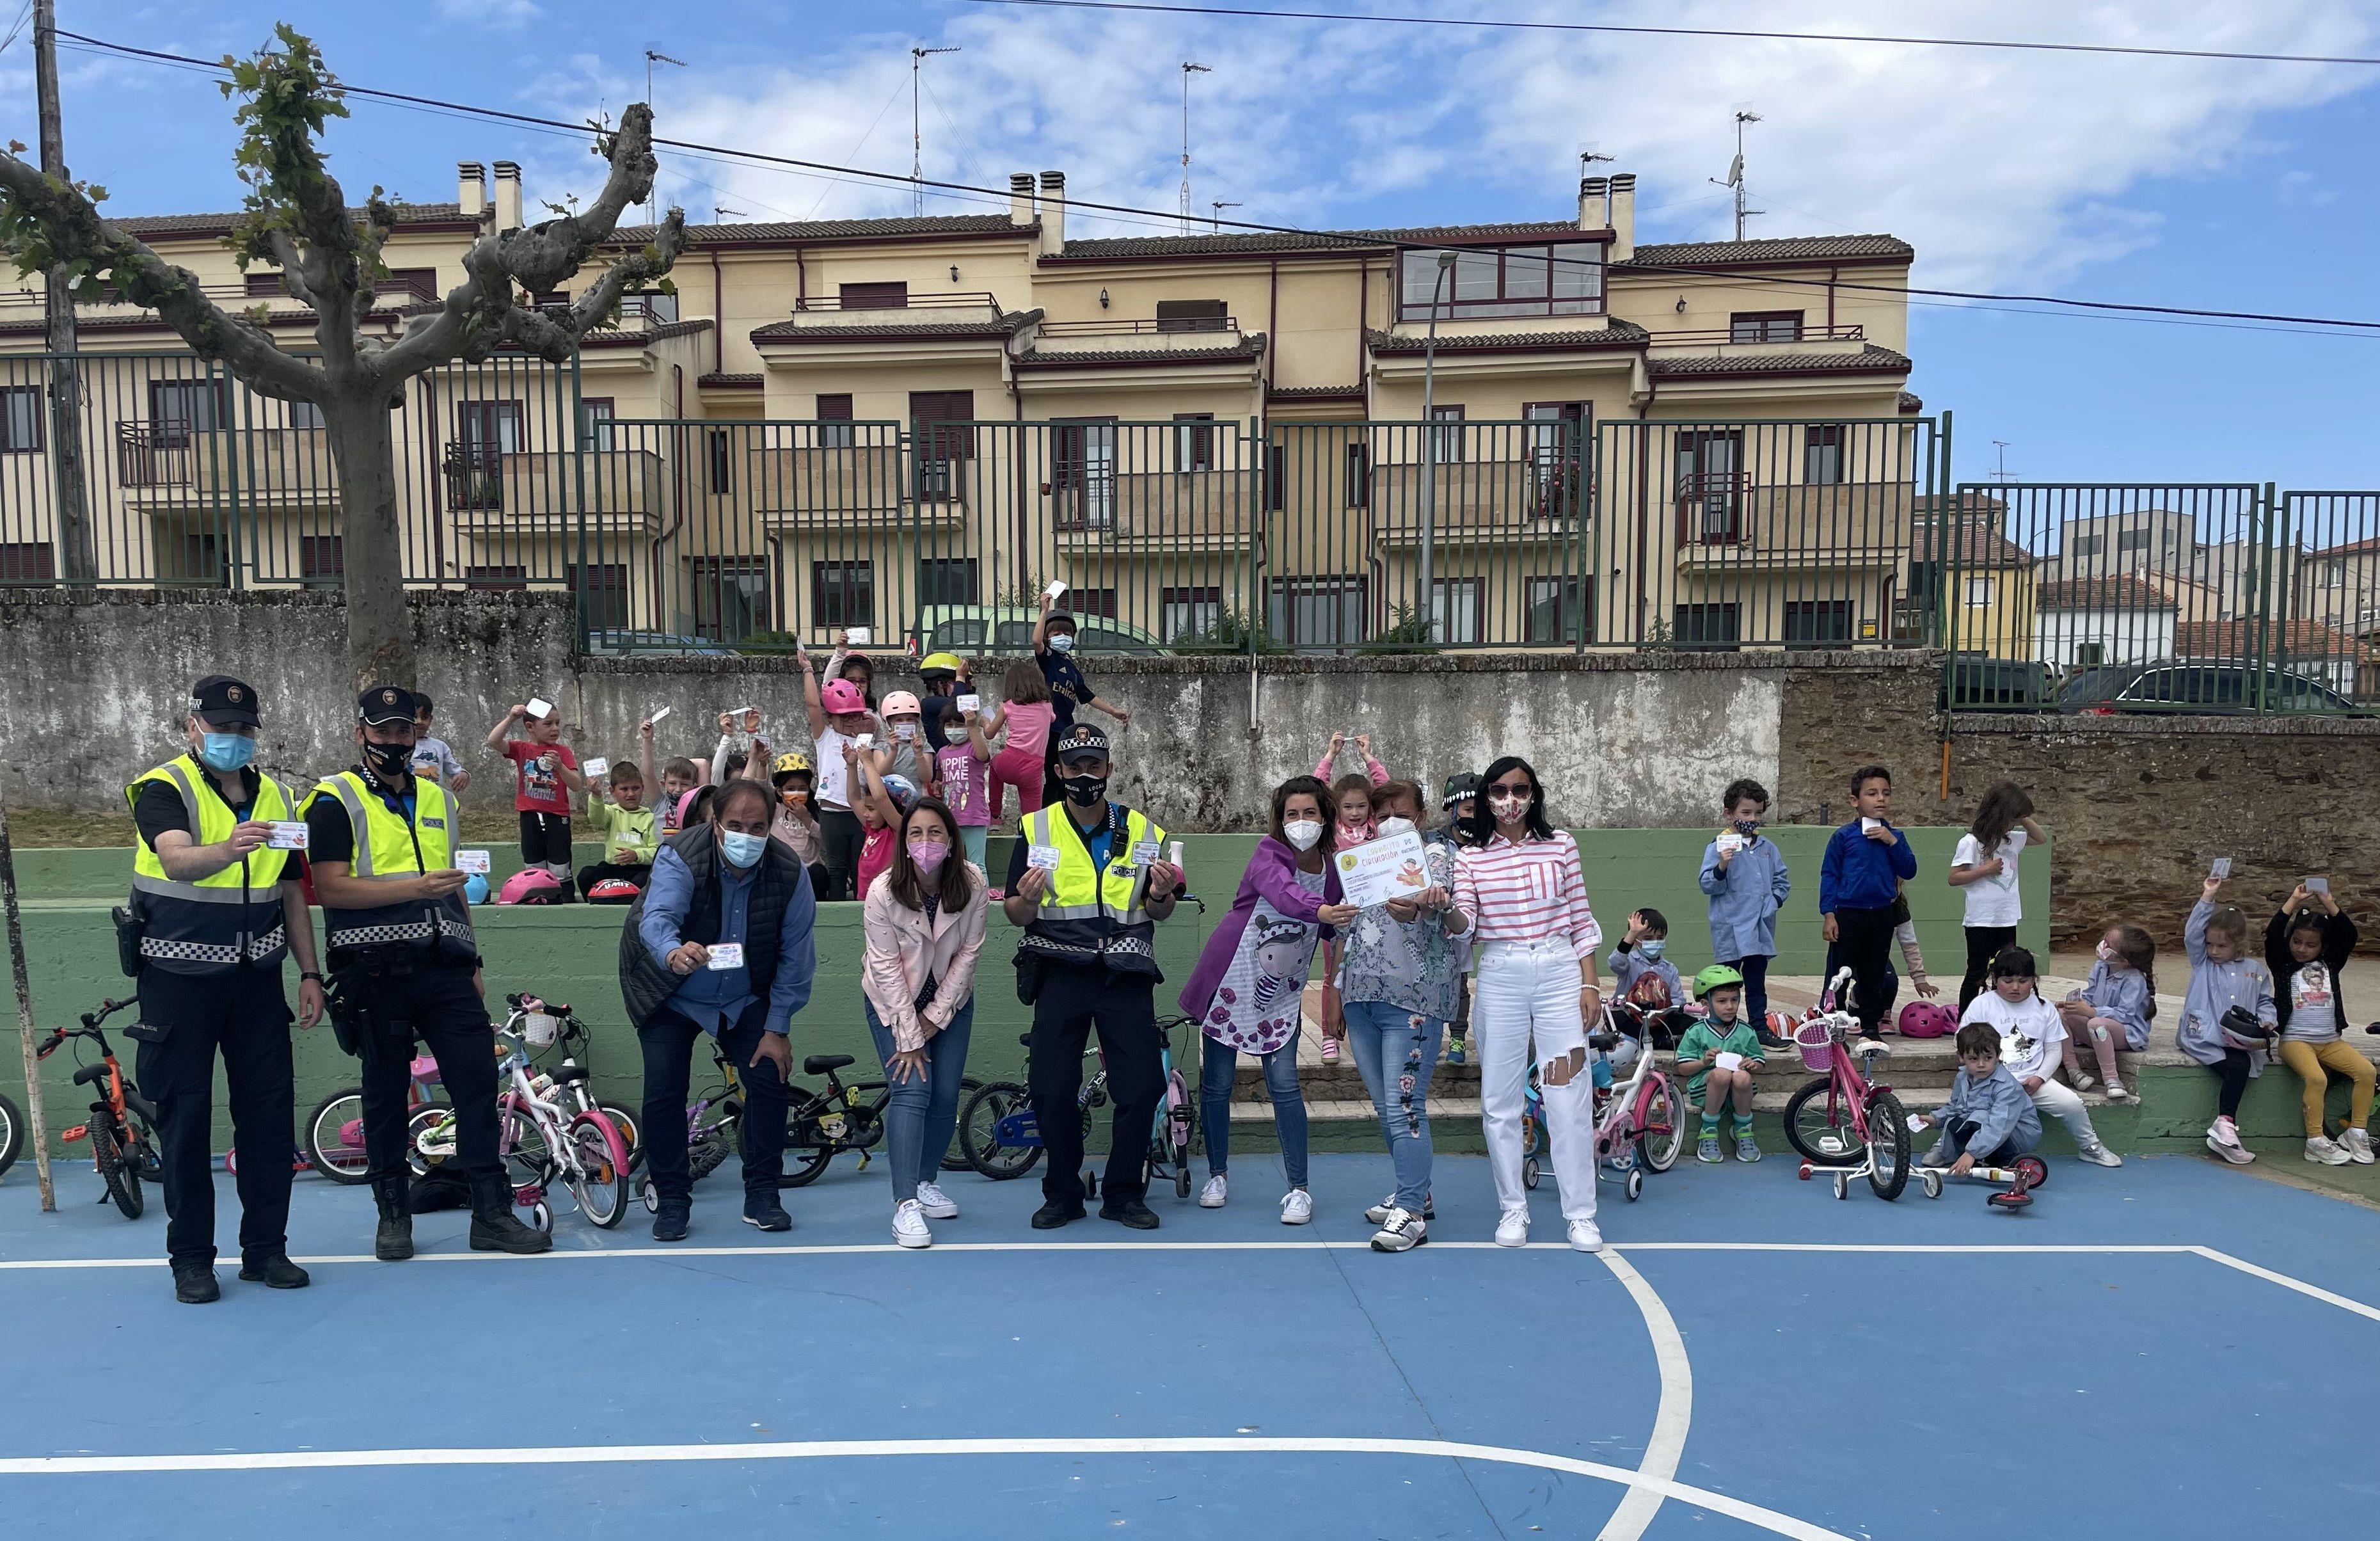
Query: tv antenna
1217,206
1589,152
653,57
918,57
2002,475
1734,179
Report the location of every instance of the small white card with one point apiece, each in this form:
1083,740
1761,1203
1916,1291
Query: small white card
594,767
865,741
1173,853
857,636
540,708
1866,825
1145,854
288,835
1726,1061
726,955
659,712
970,704
2221,869
471,860
1916,1123
1056,589
1044,857
2317,884
1729,843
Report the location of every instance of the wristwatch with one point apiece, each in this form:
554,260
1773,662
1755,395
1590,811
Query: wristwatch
310,974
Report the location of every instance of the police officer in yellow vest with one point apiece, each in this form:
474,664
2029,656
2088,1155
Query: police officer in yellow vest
218,905
406,962
1088,959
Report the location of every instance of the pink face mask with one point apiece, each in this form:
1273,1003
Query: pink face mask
928,856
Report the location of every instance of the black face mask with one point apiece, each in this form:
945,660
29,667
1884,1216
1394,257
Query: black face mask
389,762
1086,791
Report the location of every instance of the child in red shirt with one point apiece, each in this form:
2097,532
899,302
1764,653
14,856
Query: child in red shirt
549,779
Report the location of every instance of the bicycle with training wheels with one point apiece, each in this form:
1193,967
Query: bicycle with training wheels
1000,1137
12,1134
544,1025
1843,1124
122,1127
542,1142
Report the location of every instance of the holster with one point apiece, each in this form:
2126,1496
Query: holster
1029,967
346,1014
128,926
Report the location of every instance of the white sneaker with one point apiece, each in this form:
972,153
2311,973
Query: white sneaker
2100,1156
1379,1213
909,1226
1584,1236
2326,1152
1297,1206
2359,1147
2116,1091
1401,1231
1512,1229
2223,1139
936,1202
1217,1192
2082,1082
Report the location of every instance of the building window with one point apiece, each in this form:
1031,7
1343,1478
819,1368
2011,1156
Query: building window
1193,315
657,306
1083,473
321,560
1711,487
1822,455
496,577
266,285
304,414
723,462
731,597
180,408
1557,433
27,562
20,421
1505,281
1359,477
551,299
842,593
2131,540
1815,623
945,436
1182,614
1764,326
603,594
1100,603
421,283
1454,604
1711,626
874,297
834,422
1316,612
1979,593
485,432
2089,545
947,580
1558,610
1276,478
2090,655
1194,449
595,419
1445,435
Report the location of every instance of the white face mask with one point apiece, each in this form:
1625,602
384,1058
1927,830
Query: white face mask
1305,834
1396,827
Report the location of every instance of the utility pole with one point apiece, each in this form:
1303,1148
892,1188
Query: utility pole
1734,179
1216,218
1430,448
1189,69
653,57
916,133
77,562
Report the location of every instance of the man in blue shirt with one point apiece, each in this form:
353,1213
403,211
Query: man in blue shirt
719,886
1867,862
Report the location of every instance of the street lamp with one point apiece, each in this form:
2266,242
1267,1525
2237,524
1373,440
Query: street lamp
1429,441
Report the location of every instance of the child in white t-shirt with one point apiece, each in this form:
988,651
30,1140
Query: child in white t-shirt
2032,1039
1985,866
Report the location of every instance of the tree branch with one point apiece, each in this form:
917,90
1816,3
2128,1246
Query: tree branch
294,277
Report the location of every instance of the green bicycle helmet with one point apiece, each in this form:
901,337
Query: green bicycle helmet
1715,977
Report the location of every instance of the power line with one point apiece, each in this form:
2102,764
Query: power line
1357,239
1493,24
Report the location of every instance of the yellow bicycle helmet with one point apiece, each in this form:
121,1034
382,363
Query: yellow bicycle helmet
939,663
786,763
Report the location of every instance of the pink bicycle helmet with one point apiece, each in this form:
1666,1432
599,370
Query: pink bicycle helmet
1927,1019
841,697
900,702
531,886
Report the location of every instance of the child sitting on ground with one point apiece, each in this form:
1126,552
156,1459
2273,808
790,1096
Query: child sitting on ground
2222,976
2030,1035
1712,1083
1987,1117
627,831
549,779
2308,944
2119,998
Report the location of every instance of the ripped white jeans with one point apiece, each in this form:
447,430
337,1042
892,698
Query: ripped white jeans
1525,1008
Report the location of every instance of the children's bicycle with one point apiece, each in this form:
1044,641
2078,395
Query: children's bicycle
542,1141
12,1134
2023,1176
1843,1124
1637,1126
543,1025
122,1124
1000,1138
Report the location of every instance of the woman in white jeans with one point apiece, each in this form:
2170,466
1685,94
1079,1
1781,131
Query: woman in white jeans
1520,896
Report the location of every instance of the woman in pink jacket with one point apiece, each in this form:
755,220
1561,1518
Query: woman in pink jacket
924,921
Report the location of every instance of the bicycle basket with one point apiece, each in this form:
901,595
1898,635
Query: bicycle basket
539,1028
1817,1042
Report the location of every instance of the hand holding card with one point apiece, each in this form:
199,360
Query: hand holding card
726,955
472,861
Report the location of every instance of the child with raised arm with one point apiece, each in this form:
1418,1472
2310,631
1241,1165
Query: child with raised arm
2118,1001
1744,876
1024,716
432,756
2307,945
549,779
839,718
2031,1036
1377,772
2222,976
1987,1117
626,830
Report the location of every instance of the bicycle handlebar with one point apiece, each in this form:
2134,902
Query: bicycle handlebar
58,1036
106,1008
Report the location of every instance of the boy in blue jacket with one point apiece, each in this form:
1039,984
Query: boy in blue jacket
1743,877
1988,1119
1867,862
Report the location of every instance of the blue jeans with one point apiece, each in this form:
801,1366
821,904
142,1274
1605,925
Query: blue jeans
1215,1072
1396,1050
922,1114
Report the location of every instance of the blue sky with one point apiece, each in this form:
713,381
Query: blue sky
2230,185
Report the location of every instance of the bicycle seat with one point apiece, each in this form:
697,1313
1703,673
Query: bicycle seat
819,1064
569,1075
1025,1039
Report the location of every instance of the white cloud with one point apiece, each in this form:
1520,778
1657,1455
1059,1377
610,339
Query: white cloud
503,16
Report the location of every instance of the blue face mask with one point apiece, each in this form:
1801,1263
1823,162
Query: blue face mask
1652,949
742,851
226,752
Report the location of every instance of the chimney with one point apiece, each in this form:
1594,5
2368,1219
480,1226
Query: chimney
1054,213
1623,217
1020,199
508,195
1594,202
473,196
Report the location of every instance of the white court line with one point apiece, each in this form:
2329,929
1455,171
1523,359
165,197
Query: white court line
809,1449
1671,1419
2285,1282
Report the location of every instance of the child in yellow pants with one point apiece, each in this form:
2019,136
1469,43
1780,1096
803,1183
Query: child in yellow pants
2307,943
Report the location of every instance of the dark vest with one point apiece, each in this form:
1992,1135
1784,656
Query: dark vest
646,985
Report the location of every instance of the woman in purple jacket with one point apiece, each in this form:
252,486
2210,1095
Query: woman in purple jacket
1247,993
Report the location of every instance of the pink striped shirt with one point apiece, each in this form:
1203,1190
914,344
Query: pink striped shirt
1526,893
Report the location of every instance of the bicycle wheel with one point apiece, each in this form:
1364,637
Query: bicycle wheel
808,1161
711,1144
978,1140
428,1137
953,1159
12,1134
529,1161
599,1169
1820,1126
334,1137
625,1122
122,1178
140,1148
1887,1145
1661,1129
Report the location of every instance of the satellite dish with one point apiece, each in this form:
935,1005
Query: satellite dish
1735,171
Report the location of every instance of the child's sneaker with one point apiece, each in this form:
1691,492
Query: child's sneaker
2098,1154
1454,1051
2083,1081
2359,1146
2118,1091
1331,1051
2223,1139
1706,1149
1745,1150
2324,1150
1379,1213
1401,1231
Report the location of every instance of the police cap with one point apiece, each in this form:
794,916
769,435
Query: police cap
382,704
221,698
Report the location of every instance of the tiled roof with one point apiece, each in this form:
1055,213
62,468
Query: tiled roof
199,225
981,326
1790,249
2351,548
730,381
1249,345
1618,333
1971,541
1869,360
1911,402
1316,392
830,229
2115,592
2238,639
1305,241
630,338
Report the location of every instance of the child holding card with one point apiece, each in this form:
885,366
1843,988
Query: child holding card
2222,977
2307,945
1718,1055
627,830
549,779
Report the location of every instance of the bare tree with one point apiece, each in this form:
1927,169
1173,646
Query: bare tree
297,218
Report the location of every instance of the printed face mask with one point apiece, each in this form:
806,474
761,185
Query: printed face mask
2106,953
928,856
1509,806
1746,827
391,761
226,752
742,851
1085,791
1396,827
1303,834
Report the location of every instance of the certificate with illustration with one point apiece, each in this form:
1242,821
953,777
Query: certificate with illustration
1379,871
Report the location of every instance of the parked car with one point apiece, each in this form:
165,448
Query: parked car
613,644
1974,682
2207,685
1007,631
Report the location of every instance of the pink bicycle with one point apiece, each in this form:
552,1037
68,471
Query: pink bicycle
1844,1124
1637,1127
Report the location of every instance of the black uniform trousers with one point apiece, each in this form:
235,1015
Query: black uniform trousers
1073,999
436,1004
244,1015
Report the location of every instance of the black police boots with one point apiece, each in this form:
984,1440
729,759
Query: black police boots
393,1242
494,1227
194,1284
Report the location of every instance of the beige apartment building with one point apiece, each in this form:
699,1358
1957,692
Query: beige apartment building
914,424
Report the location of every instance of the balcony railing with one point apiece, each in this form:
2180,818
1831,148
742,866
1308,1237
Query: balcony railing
265,464
956,300
1748,336
1137,326
1725,518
